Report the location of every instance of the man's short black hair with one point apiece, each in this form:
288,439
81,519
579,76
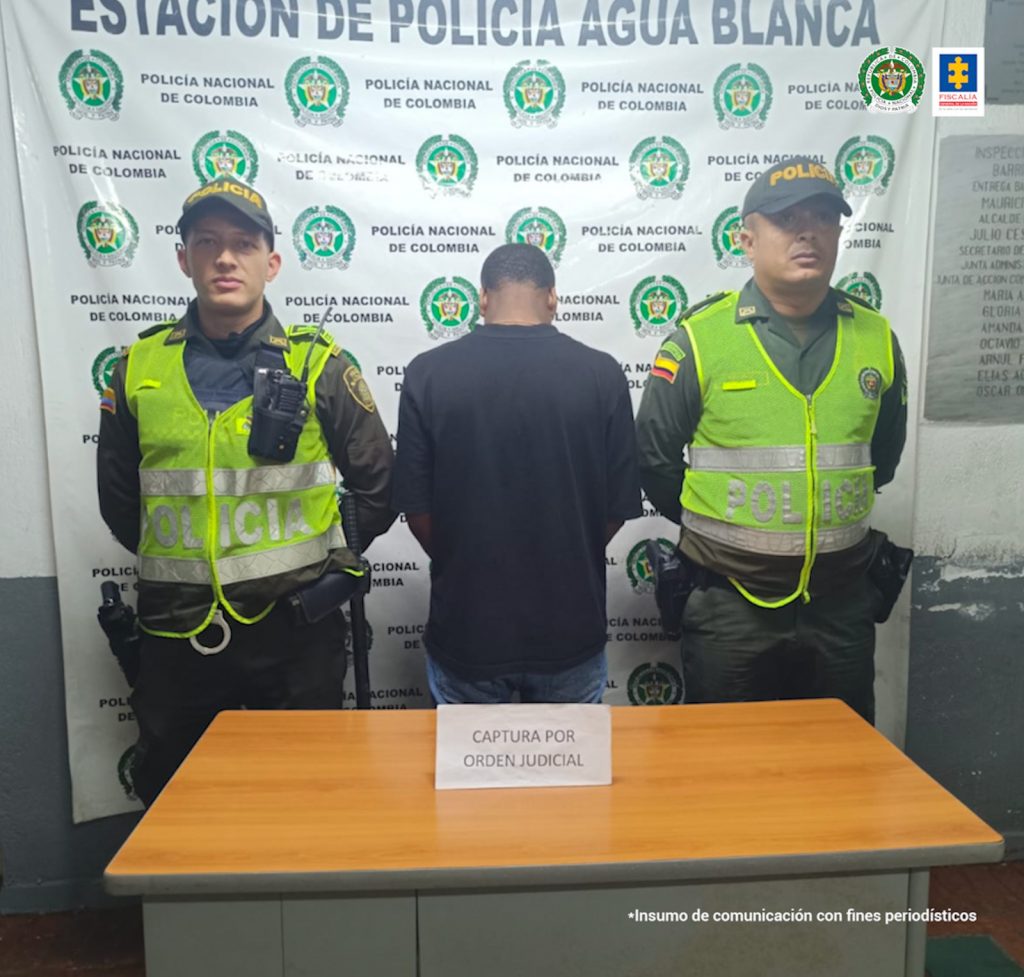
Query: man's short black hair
519,264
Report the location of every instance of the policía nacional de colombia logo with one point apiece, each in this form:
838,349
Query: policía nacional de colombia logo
103,369
225,153
870,383
126,773
539,226
447,165
865,286
659,167
864,165
725,238
655,684
641,577
743,96
92,86
317,91
534,94
108,234
324,237
449,307
656,304
891,80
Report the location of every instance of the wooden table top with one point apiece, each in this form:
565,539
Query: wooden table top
297,801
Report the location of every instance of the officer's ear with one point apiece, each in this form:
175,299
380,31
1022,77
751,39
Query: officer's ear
748,234
273,265
485,300
552,300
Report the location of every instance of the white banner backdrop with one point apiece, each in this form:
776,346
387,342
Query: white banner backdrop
398,142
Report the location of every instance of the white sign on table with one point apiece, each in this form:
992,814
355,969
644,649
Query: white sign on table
523,745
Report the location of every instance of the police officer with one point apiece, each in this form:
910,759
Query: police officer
232,508
790,397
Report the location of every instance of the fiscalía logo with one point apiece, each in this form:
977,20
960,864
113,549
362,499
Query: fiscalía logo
656,304
92,86
655,684
317,90
960,81
891,80
103,369
864,165
870,382
225,153
324,237
641,577
534,94
743,96
126,773
659,167
725,237
539,226
865,286
447,165
108,234
449,307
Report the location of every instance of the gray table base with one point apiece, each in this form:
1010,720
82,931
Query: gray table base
565,931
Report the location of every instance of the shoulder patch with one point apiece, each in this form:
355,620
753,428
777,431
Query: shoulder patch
153,330
335,350
305,334
673,349
705,303
281,341
859,300
358,389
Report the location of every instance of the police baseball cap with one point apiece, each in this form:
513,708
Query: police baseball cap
791,181
232,193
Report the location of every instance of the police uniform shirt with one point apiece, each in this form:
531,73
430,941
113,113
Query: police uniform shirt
355,434
670,412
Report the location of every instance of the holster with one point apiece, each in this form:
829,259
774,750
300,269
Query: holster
888,572
674,581
314,602
122,630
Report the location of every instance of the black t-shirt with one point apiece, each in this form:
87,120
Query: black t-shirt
519,442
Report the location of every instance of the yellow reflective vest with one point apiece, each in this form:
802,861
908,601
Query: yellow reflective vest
220,527
772,470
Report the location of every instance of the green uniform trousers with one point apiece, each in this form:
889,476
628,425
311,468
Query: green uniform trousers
735,651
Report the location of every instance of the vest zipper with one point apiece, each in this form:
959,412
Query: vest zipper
812,495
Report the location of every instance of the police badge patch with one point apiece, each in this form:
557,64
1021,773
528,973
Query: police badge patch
870,383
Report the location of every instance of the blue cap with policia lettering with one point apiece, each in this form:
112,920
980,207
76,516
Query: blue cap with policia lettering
232,193
790,182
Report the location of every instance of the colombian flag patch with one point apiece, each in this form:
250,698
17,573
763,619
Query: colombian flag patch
108,401
665,367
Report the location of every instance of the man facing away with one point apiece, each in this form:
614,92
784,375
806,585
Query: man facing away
226,525
516,465
791,399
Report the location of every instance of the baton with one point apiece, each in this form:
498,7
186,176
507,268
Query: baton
357,610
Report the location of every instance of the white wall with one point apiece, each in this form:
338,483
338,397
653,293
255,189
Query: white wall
970,476
27,533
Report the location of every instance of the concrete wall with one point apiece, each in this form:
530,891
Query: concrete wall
46,863
965,724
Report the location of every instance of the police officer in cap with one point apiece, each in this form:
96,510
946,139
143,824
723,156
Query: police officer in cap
231,505
790,399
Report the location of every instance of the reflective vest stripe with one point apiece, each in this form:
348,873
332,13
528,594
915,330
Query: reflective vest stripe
778,459
262,479
250,566
774,542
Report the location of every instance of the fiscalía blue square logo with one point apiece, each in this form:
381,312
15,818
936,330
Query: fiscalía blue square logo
958,72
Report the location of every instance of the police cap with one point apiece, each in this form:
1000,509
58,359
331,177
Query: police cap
791,181
232,193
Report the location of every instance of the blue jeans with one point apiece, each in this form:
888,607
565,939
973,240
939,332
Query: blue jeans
581,683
